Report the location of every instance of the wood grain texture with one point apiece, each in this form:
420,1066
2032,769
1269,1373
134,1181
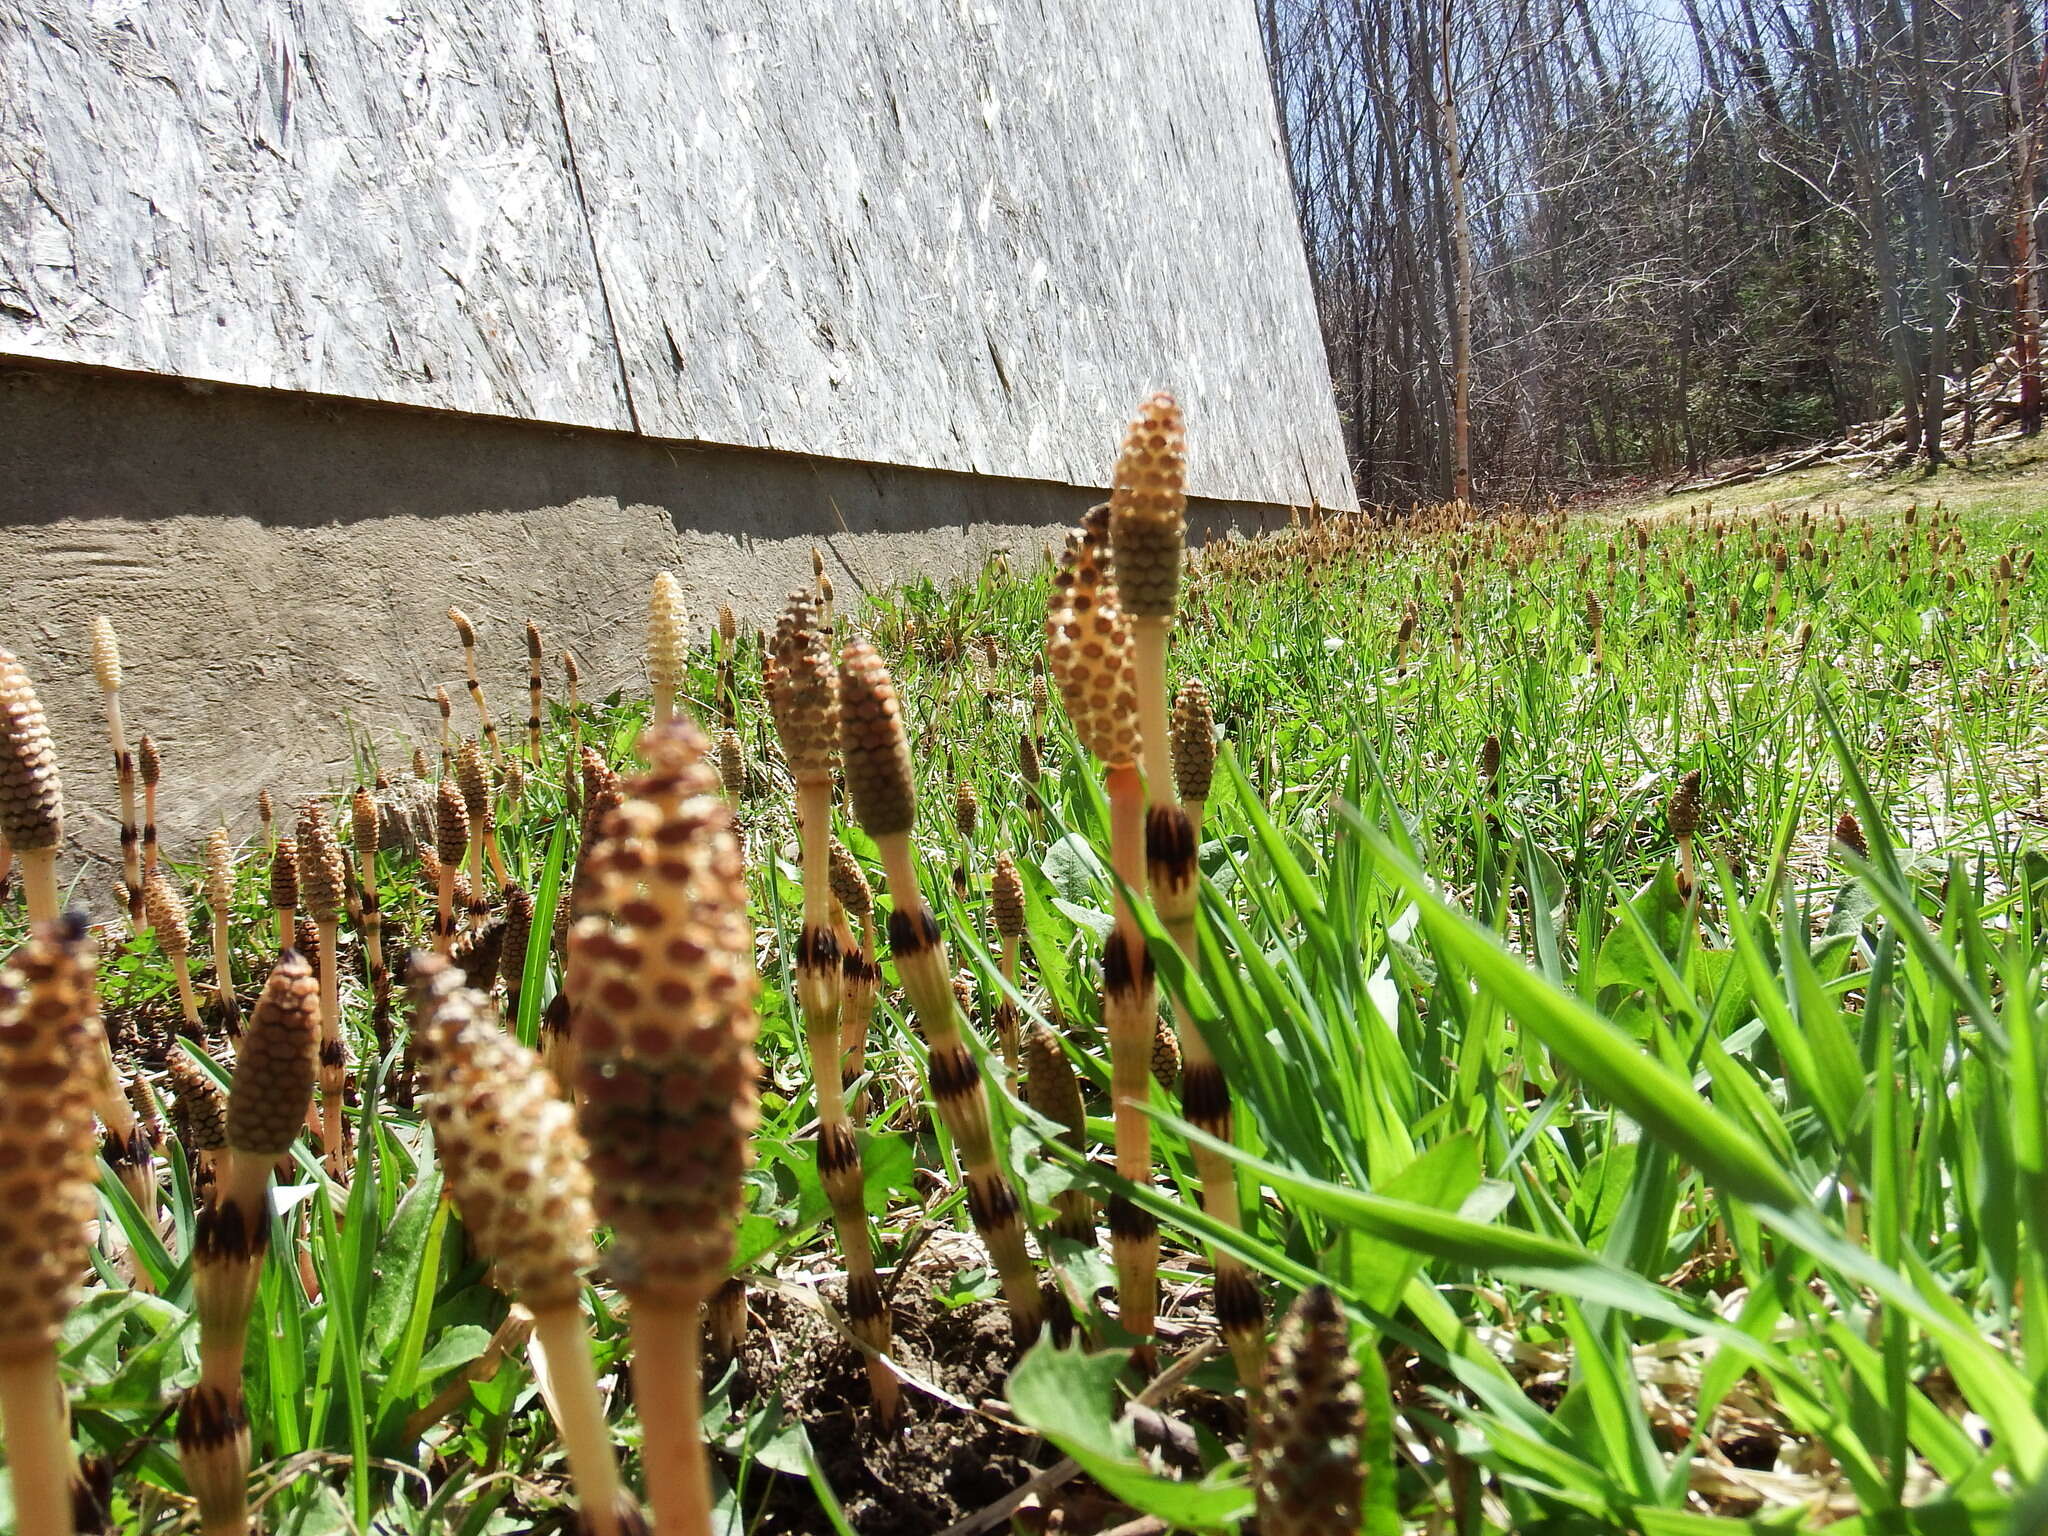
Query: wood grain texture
349,198
957,234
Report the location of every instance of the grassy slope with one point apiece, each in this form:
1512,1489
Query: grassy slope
2010,480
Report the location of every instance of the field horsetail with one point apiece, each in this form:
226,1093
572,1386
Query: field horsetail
661,969
1556,1012
804,702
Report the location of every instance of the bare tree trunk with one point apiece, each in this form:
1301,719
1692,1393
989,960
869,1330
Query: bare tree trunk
2026,311
1461,278
1934,242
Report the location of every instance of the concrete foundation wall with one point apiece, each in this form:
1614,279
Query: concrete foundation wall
279,566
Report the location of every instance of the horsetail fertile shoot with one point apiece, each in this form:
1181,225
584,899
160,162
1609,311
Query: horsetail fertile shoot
880,785
515,1167
805,706
666,646
48,1198
661,970
267,1105
1089,653
31,794
320,888
106,668
465,631
220,896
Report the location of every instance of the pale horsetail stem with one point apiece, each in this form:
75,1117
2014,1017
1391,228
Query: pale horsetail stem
805,705
1088,651
366,833
860,979
661,973
267,1104
31,793
168,918
1148,537
665,644
152,766
516,1171
465,631
479,801
1307,1433
533,690
320,889
48,1200
106,667
447,712
1006,909
880,785
32,821
284,889
451,842
220,896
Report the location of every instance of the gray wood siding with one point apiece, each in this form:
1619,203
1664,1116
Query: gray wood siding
957,234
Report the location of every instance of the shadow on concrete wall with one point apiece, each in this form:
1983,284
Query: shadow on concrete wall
82,443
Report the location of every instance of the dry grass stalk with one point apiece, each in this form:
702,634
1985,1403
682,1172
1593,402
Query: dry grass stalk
220,896
880,785
665,644
515,1168
466,633
320,888
1307,1435
662,973
47,1203
725,1319
805,705
1089,653
106,667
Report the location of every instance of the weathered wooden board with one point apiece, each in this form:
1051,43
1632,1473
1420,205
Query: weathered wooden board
962,234
348,197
